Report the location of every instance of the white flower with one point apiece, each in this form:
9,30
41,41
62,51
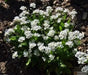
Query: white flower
33,5
58,9
25,53
52,45
45,37
34,22
9,31
47,50
53,17
23,8
49,9
70,44
37,11
63,34
82,60
59,20
51,33
66,10
46,21
41,48
85,68
36,34
79,54
58,14
56,37
75,50
41,12
23,13
44,59
15,54
80,36
59,44
66,25
36,52
36,28
82,57
25,28
73,13
39,43
46,26
21,39
28,34
24,21
16,19
32,45
71,36
51,57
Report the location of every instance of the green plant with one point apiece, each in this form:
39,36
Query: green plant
44,38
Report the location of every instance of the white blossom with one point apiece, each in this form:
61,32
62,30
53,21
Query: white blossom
23,13
45,37
82,57
32,45
58,9
37,11
23,8
25,28
66,25
16,19
41,48
49,9
70,44
28,34
25,53
52,45
43,58
51,57
15,54
80,36
9,31
46,26
47,50
36,34
63,34
36,52
56,37
21,39
85,68
59,20
33,5
66,10
51,33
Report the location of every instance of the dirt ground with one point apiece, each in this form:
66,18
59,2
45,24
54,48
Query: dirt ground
10,9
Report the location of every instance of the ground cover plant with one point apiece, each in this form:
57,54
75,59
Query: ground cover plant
45,37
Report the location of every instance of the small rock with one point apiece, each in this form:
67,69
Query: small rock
2,67
84,15
0,32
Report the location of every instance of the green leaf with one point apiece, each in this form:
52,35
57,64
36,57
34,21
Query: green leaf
65,16
13,38
28,62
23,44
60,28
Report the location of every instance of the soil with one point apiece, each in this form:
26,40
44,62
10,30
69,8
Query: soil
11,8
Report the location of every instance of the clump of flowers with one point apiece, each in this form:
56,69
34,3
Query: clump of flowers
44,37
82,59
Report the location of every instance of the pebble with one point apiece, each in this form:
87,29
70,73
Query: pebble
84,15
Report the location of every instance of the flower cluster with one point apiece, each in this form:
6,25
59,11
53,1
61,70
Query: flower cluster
43,34
82,57
85,68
